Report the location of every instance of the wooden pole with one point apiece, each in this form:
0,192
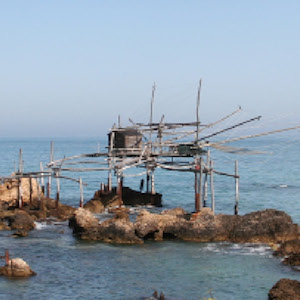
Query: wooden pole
120,186
38,192
42,178
109,175
236,207
20,197
30,190
152,183
200,184
81,192
51,160
147,181
212,189
6,257
205,187
20,162
57,189
197,111
197,202
151,115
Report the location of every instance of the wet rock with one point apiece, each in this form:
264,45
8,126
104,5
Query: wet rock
17,219
288,248
285,289
267,226
16,267
116,230
20,233
293,260
84,224
156,296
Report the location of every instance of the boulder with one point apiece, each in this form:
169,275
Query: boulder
285,289
17,219
116,230
9,191
267,226
16,267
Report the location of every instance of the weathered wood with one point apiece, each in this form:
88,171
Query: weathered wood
57,189
197,111
236,207
81,192
212,188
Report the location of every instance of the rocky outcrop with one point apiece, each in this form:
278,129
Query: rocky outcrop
285,289
116,230
16,219
290,250
16,267
269,226
9,191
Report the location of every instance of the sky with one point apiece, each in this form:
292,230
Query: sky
69,68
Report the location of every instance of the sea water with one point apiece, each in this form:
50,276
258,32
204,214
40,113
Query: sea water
70,269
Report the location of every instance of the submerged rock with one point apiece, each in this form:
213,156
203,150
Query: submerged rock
285,289
16,267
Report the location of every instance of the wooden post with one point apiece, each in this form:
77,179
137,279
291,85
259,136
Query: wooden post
51,160
205,187
236,207
20,162
81,192
197,203
30,190
109,177
6,257
38,192
120,187
57,189
20,193
200,185
212,189
42,178
152,183
147,181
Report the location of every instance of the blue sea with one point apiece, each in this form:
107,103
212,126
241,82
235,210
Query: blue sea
70,269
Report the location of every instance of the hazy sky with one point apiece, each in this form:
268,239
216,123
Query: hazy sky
68,68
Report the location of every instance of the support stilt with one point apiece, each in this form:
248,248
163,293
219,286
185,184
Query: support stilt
237,196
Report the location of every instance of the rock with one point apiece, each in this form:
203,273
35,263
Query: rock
116,230
288,248
95,206
20,233
9,191
16,267
285,289
83,221
267,226
17,219
293,260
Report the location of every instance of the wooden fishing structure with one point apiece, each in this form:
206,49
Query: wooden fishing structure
171,146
